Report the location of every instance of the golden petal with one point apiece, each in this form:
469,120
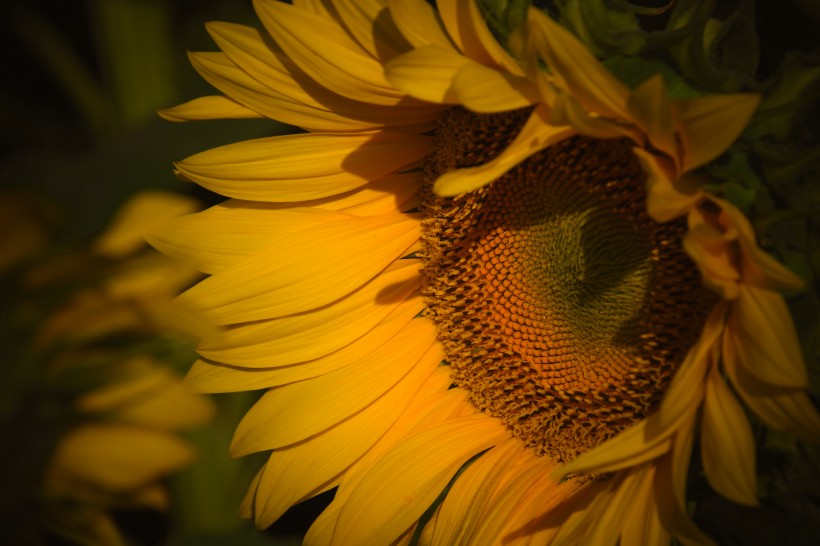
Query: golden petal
214,377
709,125
415,470
577,70
324,50
293,339
297,472
308,407
536,135
727,444
303,166
295,278
209,107
419,23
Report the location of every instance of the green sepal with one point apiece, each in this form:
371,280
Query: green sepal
633,71
788,94
607,27
504,16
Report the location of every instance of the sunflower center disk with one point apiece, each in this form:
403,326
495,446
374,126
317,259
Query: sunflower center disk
562,307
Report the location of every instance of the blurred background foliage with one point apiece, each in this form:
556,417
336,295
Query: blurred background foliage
78,127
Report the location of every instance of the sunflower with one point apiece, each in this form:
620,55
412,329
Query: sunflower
487,287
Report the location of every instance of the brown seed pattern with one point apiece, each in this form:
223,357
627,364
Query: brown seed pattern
563,308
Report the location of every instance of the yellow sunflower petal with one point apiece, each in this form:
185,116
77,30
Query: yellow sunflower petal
709,125
642,525
371,24
466,26
325,51
536,135
467,500
666,198
210,107
784,409
213,377
249,500
419,23
294,339
294,277
711,249
611,513
727,444
308,407
578,71
227,233
304,166
650,106
758,268
486,90
416,470
280,90
434,403
566,110
293,473
765,342
508,500
426,73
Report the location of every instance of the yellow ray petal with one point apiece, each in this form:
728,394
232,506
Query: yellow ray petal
577,70
292,473
536,135
293,339
426,73
314,6
711,248
788,410
302,167
313,268
211,377
761,330
308,407
670,488
757,267
466,26
119,457
325,51
467,500
650,106
419,23
727,445
566,110
642,525
372,25
249,500
486,90
507,502
709,125
609,513
433,404
666,198
416,471
210,107
261,77
227,233
221,72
